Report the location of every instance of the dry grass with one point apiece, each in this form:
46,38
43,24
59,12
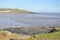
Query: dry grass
5,35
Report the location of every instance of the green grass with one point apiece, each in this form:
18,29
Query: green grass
50,36
43,36
14,10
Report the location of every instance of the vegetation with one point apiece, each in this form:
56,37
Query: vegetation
12,10
41,36
44,36
5,35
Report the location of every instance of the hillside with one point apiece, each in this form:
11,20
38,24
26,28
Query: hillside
5,35
44,36
12,10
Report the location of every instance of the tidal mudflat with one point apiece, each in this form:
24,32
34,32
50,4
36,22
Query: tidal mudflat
19,20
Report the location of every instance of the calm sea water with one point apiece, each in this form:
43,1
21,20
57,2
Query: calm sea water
18,20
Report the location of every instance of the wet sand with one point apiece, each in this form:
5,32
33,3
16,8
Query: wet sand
18,20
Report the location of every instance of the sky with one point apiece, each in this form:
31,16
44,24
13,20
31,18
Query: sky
32,5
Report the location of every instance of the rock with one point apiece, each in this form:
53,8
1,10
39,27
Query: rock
31,30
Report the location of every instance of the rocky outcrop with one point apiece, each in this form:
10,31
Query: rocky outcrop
31,30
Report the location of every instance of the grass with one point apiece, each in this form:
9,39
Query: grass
13,10
5,35
50,36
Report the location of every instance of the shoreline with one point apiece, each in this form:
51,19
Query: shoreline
15,13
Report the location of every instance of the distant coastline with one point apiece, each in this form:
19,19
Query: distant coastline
12,10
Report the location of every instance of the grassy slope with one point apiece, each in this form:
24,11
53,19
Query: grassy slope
51,36
5,35
14,10
17,10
